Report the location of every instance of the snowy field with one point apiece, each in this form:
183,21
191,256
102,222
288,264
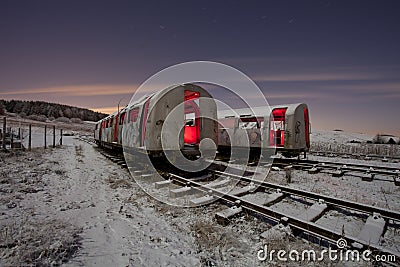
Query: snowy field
72,206
354,143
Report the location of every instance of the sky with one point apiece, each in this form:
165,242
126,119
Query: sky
342,58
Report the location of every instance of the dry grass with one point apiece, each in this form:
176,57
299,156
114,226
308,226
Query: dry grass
362,148
116,182
214,240
207,233
45,243
26,240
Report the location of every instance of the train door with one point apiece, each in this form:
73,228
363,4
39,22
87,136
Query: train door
115,136
307,127
277,127
121,123
110,130
143,122
191,133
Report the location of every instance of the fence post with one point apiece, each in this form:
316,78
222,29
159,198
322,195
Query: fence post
61,137
4,132
45,137
30,138
54,136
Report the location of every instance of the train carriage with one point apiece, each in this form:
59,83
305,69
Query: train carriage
189,109
139,127
284,128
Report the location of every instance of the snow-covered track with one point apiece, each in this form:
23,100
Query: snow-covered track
302,224
340,168
384,158
305,224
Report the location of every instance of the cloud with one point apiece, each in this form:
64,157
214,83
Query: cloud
300,95
76,90
106,110
376,86
315,77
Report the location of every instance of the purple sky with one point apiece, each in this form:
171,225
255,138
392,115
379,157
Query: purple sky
342,58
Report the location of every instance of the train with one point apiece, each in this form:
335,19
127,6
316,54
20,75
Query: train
282,129
138,127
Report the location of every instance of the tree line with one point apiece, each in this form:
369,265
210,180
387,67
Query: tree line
49,110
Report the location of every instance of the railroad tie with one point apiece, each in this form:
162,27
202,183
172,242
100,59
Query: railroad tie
314,170
243,190
372,230
202,200
182,191
368,176
225,215
219,183
265,200
314,212
162,184
338,173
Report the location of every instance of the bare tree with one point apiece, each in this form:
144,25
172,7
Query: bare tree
2,111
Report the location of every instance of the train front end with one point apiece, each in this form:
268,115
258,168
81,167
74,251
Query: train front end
288,129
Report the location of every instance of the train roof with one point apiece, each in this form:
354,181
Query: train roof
254,112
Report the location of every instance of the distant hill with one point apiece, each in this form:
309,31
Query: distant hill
49,110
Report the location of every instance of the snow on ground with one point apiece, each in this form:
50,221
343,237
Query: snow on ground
354,143
71,205
381,192
76,190
338,137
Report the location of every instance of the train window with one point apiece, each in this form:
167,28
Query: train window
227,122
249,123
133,115
191,131
190,122
190,119
122,118
277,127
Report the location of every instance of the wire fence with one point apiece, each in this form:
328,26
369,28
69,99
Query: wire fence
389,150
29,136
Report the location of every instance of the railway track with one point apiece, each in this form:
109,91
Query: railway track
86,139
386,158
245,197
367,172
